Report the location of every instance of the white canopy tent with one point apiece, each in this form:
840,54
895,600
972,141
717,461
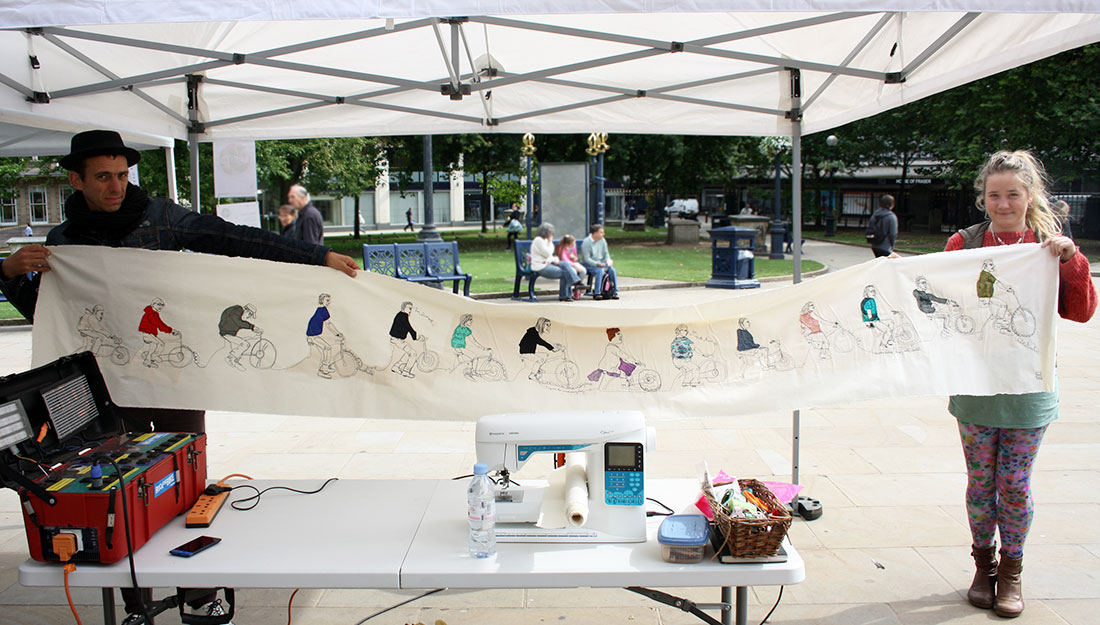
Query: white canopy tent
211,69
339,68
265,69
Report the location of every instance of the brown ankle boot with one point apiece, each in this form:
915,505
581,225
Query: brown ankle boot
1010,598
983,588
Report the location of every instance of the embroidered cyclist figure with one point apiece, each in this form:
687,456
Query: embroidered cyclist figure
993,294
322,334
150,327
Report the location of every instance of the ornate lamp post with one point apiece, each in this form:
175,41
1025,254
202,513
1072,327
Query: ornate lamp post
528,150
830,217
773,147
597,145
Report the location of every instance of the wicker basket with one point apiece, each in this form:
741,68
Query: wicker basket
747,538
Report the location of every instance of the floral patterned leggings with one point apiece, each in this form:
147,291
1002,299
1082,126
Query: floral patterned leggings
998,489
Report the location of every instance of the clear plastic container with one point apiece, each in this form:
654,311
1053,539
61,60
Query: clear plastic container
683,538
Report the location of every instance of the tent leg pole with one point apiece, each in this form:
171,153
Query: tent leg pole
193,82
802,506
193,148
170,168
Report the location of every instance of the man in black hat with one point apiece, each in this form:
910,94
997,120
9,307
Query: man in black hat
106,210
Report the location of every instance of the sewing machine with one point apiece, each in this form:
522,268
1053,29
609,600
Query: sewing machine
613,443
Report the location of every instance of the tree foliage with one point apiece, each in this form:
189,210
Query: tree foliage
12,169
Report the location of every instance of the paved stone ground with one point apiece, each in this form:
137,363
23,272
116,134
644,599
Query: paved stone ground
889,474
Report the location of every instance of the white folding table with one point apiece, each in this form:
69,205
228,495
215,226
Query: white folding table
402,534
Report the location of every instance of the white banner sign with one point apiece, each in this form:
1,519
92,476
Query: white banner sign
241,213
183,330
234,168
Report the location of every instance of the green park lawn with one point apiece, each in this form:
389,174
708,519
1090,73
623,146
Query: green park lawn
636,254
494,270
7,311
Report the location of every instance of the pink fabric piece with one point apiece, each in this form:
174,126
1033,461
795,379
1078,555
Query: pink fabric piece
783,491
722,478
704,507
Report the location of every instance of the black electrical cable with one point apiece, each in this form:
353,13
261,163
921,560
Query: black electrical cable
655,513
777,600
126,526
398,605
260,493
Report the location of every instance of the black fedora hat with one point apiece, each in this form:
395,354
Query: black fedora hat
96,143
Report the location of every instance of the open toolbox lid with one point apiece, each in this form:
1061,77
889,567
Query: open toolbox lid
49,415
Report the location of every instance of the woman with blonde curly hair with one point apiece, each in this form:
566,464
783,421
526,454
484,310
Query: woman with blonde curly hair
1001,434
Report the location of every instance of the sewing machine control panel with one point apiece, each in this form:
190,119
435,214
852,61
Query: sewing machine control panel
623,474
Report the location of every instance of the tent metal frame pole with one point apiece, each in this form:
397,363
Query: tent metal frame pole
863,43
193,83
659,44
724,105
21,138
701,46
308,68
83,58
170,167
331,99
325,99
193,149
304,107
447,62
262,115
129,81
939,43
780,28
796,222
565,107
713,81
227,57
16,85
345,38
782,62
409,109
565,69
223,59
659,90
475,77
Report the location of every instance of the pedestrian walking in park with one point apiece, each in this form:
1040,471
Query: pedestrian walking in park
882,230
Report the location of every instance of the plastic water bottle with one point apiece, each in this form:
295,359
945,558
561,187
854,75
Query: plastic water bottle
482,513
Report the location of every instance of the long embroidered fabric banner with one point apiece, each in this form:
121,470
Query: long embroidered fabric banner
183,330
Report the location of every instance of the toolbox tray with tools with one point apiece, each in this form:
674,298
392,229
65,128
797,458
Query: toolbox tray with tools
62,449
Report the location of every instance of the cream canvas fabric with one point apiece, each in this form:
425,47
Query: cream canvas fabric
323,344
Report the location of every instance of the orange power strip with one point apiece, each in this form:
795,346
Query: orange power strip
206,508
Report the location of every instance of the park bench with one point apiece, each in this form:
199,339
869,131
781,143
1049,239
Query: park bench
432,262
523,270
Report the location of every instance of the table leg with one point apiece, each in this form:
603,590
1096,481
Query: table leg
109,606
740,605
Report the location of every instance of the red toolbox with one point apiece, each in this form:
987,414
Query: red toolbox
58,433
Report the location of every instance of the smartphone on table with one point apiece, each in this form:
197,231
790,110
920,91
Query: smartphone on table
191,547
